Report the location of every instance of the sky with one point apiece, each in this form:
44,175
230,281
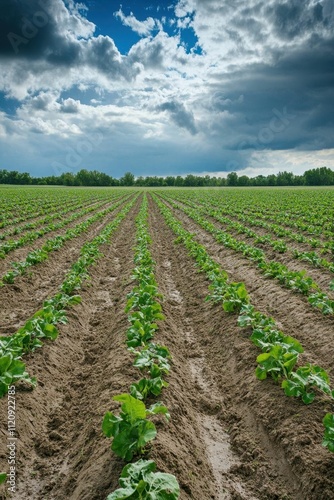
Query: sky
166,88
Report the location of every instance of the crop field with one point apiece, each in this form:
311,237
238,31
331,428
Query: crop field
168,343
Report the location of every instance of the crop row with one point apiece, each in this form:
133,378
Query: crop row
279,246
307,211
29,237
251,209
43,324
280,352
46,219
132,429
14,214
21,204
40,255
297,281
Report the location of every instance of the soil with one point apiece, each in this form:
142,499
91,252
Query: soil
20,254
21,299
230,437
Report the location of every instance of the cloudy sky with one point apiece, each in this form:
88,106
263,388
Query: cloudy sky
158,88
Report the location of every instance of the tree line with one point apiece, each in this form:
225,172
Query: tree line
322,176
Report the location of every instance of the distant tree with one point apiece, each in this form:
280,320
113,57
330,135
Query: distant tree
83,177
190,180
68,179
128,179
299,180
319,177
243,180
179,181
272,180
154,181
169,180
284,179
232,179
323,176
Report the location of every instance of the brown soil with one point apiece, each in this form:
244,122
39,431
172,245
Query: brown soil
230,437
321,276
72,208
61,450
277,439
20,254
21,299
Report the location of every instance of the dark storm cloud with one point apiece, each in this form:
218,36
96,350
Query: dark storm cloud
179,115
29,30
101,52
41,102
294,18
48,33
287,105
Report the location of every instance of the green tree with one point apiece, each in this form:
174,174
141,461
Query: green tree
128,179
232,179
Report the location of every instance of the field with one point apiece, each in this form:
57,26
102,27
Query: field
209,312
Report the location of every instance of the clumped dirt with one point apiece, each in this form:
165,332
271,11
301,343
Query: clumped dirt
26,295
20,254
230,437
289,431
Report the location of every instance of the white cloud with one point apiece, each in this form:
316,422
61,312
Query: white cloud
143,28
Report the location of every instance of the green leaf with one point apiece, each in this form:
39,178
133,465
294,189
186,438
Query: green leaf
5,362
308,398
50,331
139,481
328,440
3,477
134,408
260,373
110,424
17,368
159,408
146,432
132,439
162,486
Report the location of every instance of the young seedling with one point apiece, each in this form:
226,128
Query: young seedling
302,381
140,481
131,430
328,440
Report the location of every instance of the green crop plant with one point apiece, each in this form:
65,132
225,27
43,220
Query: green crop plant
140,481
250,317
301,382
278,362
12,370
328,440
152,358
40,255
295,280
131,430
148,387
43,323
322,302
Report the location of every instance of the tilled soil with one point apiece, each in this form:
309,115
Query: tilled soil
294,429
321,276
20,254
21,299
230,437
